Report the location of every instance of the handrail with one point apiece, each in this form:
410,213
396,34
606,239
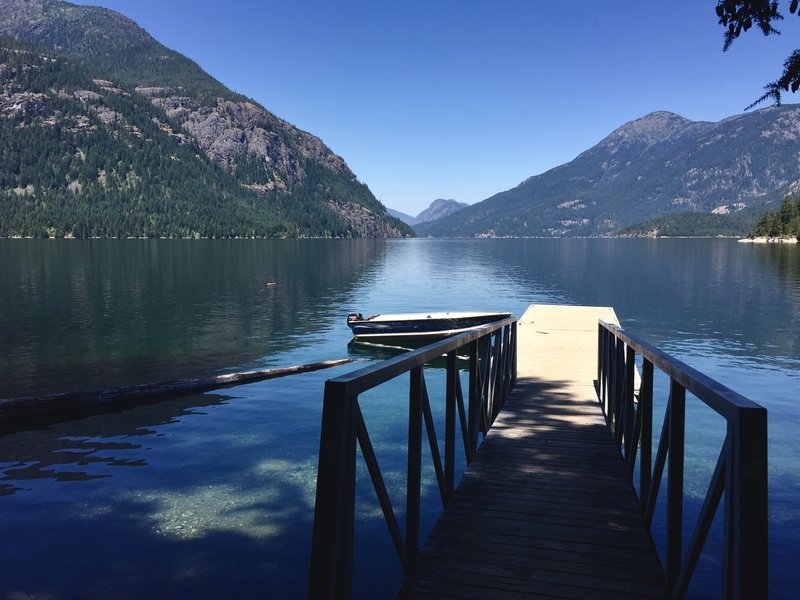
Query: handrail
492,375
740,475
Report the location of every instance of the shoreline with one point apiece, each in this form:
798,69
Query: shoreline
770,240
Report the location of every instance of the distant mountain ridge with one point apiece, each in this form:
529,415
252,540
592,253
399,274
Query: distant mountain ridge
299,180
405,218
438,209
657,165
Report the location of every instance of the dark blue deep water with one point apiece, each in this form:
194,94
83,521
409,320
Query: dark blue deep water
211,495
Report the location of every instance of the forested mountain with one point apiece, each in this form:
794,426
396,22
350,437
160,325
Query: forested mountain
80,157
655,166
102,124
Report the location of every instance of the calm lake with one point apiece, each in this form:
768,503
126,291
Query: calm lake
211,495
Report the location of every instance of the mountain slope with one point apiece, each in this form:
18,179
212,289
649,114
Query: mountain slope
653,166
280,163
438,209
82,158
407,219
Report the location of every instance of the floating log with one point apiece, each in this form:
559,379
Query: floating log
39,405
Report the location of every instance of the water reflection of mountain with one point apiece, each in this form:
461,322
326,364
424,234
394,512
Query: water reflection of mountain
89,314
99,313
673,289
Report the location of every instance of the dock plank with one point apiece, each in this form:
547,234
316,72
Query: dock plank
545,510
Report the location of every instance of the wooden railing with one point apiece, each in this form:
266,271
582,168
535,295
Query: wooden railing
740,473
492,374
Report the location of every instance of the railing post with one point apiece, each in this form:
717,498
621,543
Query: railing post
331,572
677,420
619,395
628,408
514,353
473,412
600,355
450,425
414,472
506,365
646,439
497,382
611,373
611,341
484,399
746,561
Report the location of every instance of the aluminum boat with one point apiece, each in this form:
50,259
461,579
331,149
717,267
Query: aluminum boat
418,326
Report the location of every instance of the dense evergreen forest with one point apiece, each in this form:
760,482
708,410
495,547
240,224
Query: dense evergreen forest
81,156
77,160
783,223
692,224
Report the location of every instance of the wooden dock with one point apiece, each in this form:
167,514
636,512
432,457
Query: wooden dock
545,510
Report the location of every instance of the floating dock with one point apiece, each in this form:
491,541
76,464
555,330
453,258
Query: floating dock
545,510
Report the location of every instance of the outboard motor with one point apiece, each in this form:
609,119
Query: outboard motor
354,317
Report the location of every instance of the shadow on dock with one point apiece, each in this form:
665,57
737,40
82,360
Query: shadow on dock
545,508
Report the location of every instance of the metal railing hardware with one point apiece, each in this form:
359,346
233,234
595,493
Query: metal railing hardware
492,374
740,475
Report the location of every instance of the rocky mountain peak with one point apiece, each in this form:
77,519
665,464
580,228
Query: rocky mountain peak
650,129
438,209
33,20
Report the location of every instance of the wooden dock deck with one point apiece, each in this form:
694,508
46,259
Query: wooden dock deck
545,510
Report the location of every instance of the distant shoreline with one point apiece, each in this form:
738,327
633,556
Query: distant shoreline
770,240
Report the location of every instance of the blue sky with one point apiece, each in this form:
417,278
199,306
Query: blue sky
430,99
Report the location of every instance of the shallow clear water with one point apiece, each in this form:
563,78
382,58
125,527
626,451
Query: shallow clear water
213,494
